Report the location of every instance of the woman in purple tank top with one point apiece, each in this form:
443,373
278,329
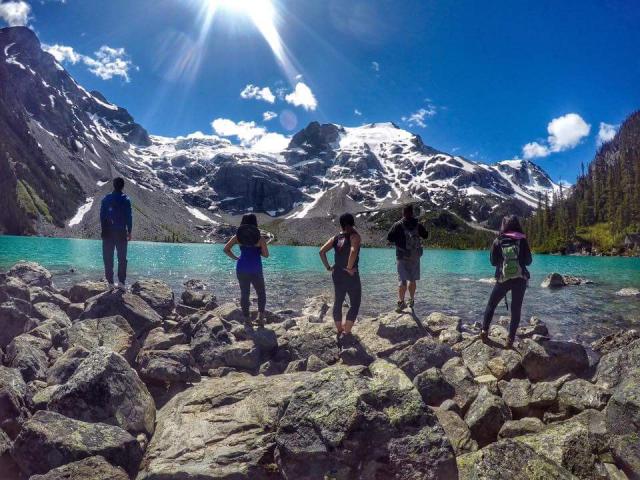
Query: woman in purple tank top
249,265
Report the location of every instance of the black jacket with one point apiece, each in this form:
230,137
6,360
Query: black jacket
524,255
396,234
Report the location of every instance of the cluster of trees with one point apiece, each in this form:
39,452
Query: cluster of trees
602,207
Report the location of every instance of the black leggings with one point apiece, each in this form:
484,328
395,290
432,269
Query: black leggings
257,280
345,284
517,286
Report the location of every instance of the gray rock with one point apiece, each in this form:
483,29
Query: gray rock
438,322
31,274
553,280
41,398
45,295
311,339
550,359
517,395
95,468
485,417
13,288
8,467
628,292
27,353
134,309
208,344
158,339
14,322
615,366
623,409
157,294
243,355
51,311
13,401
504,363
425,353
524,426
314,364
75,310
457,431
509,460
327,423
433,388
113,333
49,440
66,365
578,395
199,299
316,308
615,341
458,375
168,366
626,453
83,291
544,394
106,389
399,327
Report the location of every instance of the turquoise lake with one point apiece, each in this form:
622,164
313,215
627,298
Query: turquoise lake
453,281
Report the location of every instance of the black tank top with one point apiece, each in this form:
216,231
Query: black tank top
342,248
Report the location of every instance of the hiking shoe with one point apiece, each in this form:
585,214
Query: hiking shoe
122,287
412,302
111,287
484,336
339,340
401,306
260,319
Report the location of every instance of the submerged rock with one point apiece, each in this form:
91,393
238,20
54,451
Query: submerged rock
49,440
628,292
106,389
555,280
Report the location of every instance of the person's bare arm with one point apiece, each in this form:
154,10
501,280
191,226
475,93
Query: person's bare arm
264,249
228,248
323,254
353,253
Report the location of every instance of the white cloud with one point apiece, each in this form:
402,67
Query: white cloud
375,66
63,53
264,93
107,62
269,115
418,118
565,133
535,150
302,96
15,14
606,133
357,112
251,135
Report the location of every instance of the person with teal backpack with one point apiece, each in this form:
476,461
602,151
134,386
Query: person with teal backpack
511,255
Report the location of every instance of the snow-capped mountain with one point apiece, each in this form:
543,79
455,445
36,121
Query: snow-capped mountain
61,144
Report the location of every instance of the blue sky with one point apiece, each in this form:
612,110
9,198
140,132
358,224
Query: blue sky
478,79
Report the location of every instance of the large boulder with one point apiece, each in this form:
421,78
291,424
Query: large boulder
617,365
491,358
623,409
399,327
458,375
425,353
12,287
220,428
49,440
113,333
626,453
485,417
457,431
31,274
578,395
551,359
553,280
308,339
158,339
66,365
438,322
509,460
134,309
106,389
157,294
168,366
326,428
8,467
13,401
433,387
14,322
50,311
208,344
83,291
524,426
94,468
27,353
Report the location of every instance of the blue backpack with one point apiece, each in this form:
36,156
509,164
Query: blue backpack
116,215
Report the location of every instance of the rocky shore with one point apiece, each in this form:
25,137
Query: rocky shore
98,384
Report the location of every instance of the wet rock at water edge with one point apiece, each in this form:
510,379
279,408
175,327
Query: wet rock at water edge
156,293
106,389
94,468
49,440
31,274
628,292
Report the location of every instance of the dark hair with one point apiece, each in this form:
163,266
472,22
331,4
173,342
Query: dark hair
249,219
511,223
118,184
347,220
407,211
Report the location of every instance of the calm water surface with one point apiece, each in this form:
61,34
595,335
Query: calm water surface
453,281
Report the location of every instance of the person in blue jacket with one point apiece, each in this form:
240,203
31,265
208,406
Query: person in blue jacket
249,265
116,221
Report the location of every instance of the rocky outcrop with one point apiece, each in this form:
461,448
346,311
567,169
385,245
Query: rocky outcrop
550,359
49,440
95,468
623,410
556,280
31,274
157,294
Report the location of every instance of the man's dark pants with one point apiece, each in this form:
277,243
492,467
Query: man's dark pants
115,241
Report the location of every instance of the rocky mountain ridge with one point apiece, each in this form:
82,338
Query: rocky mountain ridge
109,385
62,144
